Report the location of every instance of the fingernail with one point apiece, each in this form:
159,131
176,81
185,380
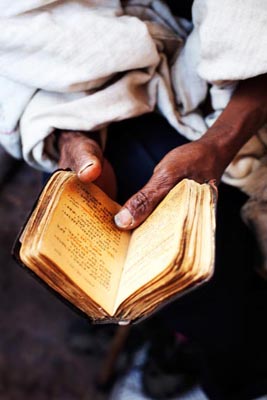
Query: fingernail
85,167
124,218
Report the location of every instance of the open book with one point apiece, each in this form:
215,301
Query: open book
71,242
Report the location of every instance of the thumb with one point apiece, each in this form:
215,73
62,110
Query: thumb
80,153
141,204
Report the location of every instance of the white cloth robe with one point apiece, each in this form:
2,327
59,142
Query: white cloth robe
81,64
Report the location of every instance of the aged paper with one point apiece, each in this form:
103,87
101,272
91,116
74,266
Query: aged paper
82,240
155,244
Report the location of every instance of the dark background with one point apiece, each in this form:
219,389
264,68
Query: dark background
39,358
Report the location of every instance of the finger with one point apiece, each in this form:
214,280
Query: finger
90,170
140,205
82,154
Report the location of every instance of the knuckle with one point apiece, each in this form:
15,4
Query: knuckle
140,203
164,178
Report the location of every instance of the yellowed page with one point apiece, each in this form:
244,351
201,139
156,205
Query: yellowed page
155,244
82,240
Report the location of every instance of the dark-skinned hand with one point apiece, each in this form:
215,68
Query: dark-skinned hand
202,160
81,152
205,159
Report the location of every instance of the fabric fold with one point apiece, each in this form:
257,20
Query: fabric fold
83,64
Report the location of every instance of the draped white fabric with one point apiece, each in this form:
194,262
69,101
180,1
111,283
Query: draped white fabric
81,64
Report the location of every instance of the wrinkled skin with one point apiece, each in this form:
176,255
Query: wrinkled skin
81,152
202,160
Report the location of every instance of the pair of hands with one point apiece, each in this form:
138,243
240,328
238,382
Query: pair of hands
83,155
202,160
